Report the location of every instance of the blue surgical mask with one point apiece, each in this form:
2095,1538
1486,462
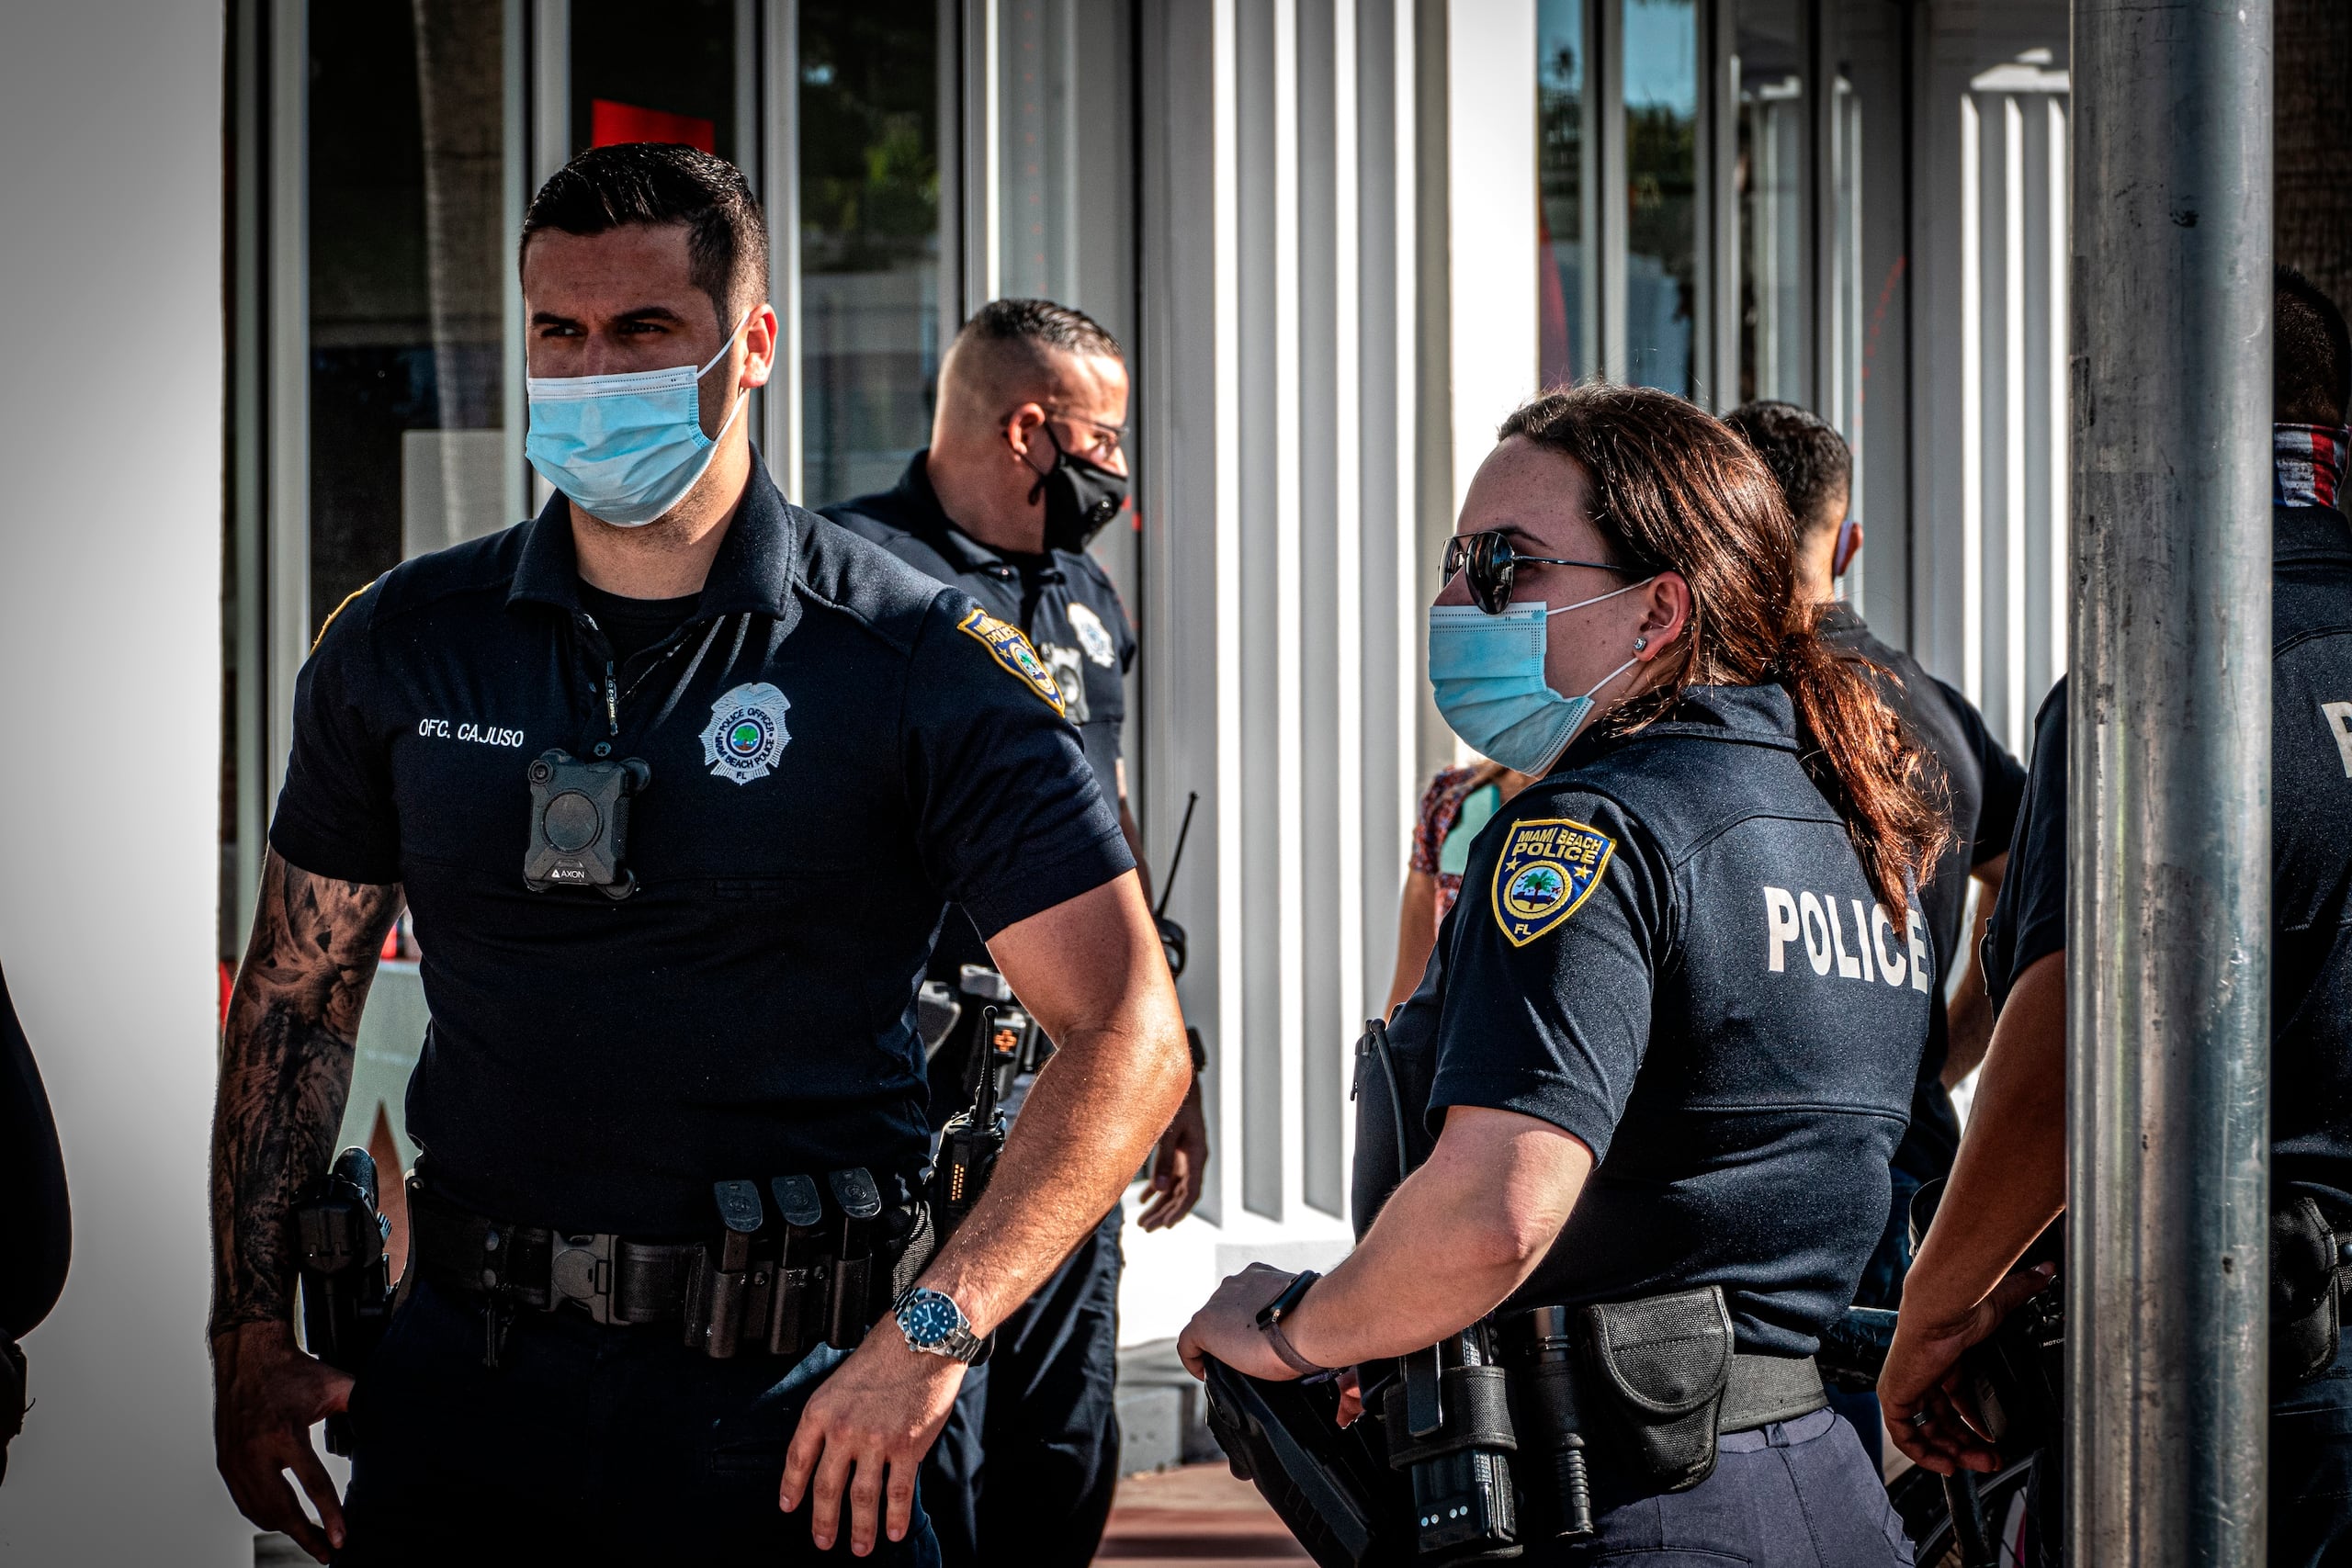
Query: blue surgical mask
628,448
1486,672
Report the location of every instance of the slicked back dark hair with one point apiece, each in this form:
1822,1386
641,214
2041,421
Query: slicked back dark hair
1805,454
2310,354
1042,324
657,184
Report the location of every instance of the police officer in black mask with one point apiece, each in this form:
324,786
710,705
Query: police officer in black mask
1667,1039
2009,1181
1026,465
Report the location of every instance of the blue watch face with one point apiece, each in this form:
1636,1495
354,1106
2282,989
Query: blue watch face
930,1317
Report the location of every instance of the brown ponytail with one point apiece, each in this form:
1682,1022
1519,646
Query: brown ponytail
1675,491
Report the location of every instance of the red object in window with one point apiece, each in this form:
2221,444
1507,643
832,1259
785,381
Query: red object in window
391,950
227,986
609,123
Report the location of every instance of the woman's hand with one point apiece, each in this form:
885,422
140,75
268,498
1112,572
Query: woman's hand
1227,1326
1919,1389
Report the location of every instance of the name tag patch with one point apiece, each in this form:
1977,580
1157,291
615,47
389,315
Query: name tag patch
1009,648
1548,869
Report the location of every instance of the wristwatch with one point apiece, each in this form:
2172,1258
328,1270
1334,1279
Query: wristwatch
933,1322
1270,1323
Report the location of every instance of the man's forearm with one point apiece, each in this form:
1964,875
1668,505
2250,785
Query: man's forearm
2009,1181
1087,1124
1091,972
1970,1015
285,1073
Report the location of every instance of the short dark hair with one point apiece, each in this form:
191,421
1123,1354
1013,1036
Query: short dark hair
2310,356
1805,454
1042,324
657,183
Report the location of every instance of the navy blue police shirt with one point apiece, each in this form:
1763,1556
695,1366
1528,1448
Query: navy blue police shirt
1668,949
1062,598
2311,858
1982,786
839,746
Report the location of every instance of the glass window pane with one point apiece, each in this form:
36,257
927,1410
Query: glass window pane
408,267
1661,193
1037,240
625,89
1848,340
870,242
1774,324
1562,148
1066,173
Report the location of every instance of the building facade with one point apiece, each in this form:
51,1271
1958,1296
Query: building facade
1340,238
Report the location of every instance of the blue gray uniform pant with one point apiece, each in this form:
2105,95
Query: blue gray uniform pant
1025,1471
589,1445
1794,1494
2311,1469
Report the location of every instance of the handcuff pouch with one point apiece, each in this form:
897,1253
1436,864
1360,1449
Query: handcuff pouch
1662,1364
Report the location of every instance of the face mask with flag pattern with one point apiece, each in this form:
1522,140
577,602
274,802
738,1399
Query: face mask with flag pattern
2307,464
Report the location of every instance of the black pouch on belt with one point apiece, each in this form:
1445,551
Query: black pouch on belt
2306,1294
1662,1365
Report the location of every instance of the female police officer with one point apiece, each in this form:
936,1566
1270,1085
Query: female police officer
1667,1038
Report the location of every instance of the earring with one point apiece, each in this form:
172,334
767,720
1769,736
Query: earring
1640,643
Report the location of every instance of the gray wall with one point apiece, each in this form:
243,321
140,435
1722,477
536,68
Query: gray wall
109,634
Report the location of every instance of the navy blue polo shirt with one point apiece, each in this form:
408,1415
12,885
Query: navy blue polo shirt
2310,856
839,746
1981,786
1668,948
1062,598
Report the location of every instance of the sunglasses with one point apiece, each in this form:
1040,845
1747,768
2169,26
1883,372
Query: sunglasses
1493,566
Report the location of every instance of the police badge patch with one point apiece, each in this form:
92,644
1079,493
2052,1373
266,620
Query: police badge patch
1009,648
1548,869
1094,636
746,732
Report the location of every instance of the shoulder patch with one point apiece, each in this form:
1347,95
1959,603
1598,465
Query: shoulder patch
1009,648
1548,869
338,610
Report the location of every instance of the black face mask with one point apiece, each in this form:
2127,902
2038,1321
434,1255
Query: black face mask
1081,497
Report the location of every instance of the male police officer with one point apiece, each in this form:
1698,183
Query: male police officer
819,749
1025,465
1980,782
2011,1178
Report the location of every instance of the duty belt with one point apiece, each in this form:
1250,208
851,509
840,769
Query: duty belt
616,1280
775,1279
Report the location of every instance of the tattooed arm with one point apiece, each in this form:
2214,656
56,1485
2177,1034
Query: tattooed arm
285,1072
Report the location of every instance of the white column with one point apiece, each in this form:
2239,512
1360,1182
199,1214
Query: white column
1490,164
110,164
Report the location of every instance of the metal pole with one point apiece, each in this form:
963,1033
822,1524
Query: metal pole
2169,762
